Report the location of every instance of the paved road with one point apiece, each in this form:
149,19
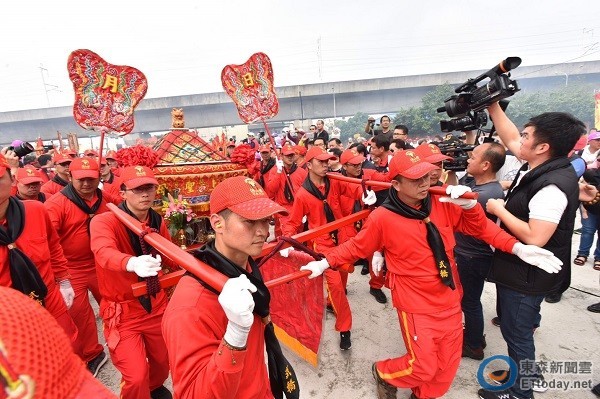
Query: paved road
568,332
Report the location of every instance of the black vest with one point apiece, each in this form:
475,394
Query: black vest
510,271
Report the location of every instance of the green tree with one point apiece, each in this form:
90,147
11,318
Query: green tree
425,120
355,124
576,99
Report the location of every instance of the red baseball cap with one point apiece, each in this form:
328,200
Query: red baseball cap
61,157
36,356
264,148
431,153
4,166
352,157
318,153
29,174
300,150
243,196
111,155
288,149
135,176
82,168
408,164
90,153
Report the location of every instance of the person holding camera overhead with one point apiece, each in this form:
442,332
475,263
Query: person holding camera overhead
539,208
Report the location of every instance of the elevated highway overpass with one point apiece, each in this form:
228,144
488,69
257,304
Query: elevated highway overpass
297,103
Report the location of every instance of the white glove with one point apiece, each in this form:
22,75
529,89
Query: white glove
286,251
67,292
454,193
377,262
317,267
369,197
238,304
144,266
279,165
537,256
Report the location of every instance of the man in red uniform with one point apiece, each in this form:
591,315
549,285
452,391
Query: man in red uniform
31,258
110,183
432,154
61,177
29,182
267,167
352,166
422,273
216,341
319,200
132,325
70,211
285,183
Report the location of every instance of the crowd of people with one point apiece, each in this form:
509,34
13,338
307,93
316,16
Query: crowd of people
59,242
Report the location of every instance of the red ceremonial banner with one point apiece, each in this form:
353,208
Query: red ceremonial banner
251,88
105,94
296,307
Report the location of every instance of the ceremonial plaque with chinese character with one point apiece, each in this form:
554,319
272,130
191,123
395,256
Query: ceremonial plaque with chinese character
251,88
105,94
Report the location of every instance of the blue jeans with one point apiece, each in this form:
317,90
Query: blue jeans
589,227
473,271
520,313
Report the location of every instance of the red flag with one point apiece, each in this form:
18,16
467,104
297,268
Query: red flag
105,94
296,307
251,88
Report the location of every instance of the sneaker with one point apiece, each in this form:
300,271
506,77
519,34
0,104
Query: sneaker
378,294
496,321
473,353
577,231
96,363
594,308
345,342
553,298
538,383
384,390
483,394
161,393
365,270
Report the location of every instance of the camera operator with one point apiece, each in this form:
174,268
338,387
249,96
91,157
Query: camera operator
539,209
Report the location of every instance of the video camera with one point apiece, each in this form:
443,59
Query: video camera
456,149
22,149
467,108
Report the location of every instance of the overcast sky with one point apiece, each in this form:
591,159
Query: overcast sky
182,46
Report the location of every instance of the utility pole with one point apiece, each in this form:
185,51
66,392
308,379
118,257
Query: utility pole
46,85
319,58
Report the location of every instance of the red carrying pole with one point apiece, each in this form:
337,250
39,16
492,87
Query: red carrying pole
200,269
437,190
209,275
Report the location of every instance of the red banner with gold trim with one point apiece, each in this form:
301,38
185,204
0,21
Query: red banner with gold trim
296,307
